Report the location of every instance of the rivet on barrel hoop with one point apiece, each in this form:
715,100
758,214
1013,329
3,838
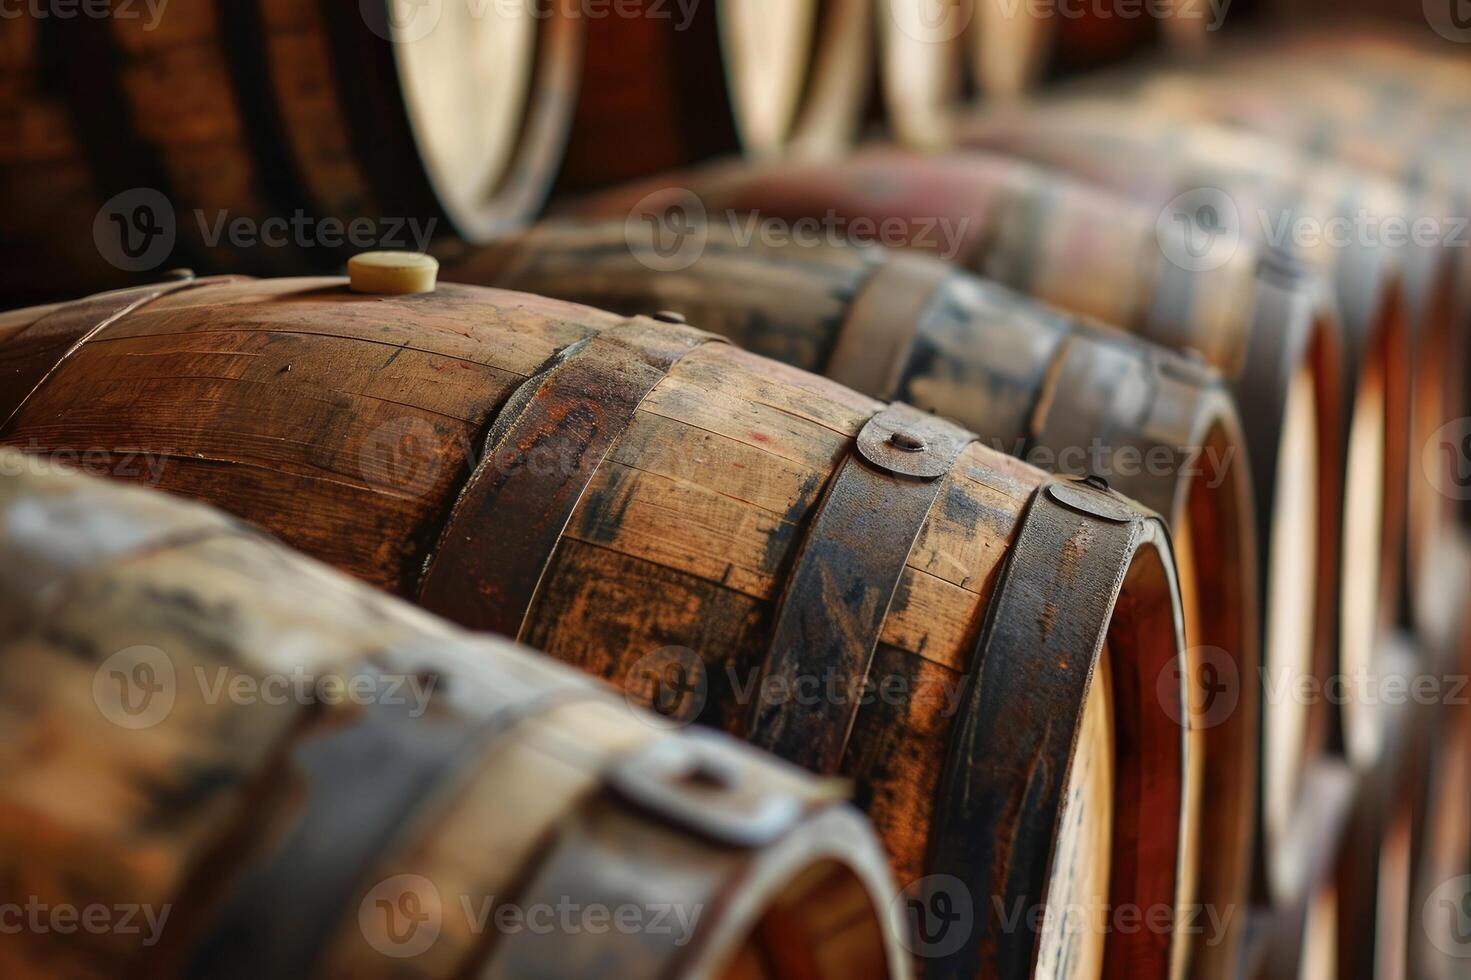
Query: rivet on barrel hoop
1090,496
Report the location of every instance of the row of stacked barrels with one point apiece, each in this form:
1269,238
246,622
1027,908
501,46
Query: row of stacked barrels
134,134
1042,621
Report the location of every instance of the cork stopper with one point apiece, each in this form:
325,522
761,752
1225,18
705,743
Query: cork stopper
392,273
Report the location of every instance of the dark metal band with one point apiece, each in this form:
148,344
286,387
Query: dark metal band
38,351
580,405
364,784
873,346
1002,789
852,557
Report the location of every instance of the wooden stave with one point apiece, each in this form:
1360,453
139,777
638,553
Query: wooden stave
675,103
1257,322
561,323
142,559
175,121
986,356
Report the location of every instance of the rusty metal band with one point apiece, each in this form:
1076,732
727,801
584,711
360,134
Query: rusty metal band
1013,251
29,360
827,626
700,800
1107,388
539,457
874,343
1002,789
363,785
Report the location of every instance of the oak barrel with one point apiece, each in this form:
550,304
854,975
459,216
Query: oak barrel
292,774
862,588
1342,115
668,84
934,54
1254,188
272,135
1065,394
1268,327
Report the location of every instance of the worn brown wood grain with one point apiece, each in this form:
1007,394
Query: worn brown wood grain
1032,382
174,810
348,424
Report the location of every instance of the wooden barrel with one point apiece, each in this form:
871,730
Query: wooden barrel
1195,171
1299,940
273,135
1337,116
861,588
375,793
1439,940
1268,328
1092,35
1066,395
1375,874
666,84
933,54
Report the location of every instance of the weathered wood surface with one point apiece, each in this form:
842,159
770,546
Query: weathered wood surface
1269,328
375,431
161,753
1069,395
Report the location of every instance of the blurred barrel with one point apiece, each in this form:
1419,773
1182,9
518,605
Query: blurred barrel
932,53
1064,394
1270,329
1396,130
1226,185
984,651
272,135
1301,939
391,806
669,84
